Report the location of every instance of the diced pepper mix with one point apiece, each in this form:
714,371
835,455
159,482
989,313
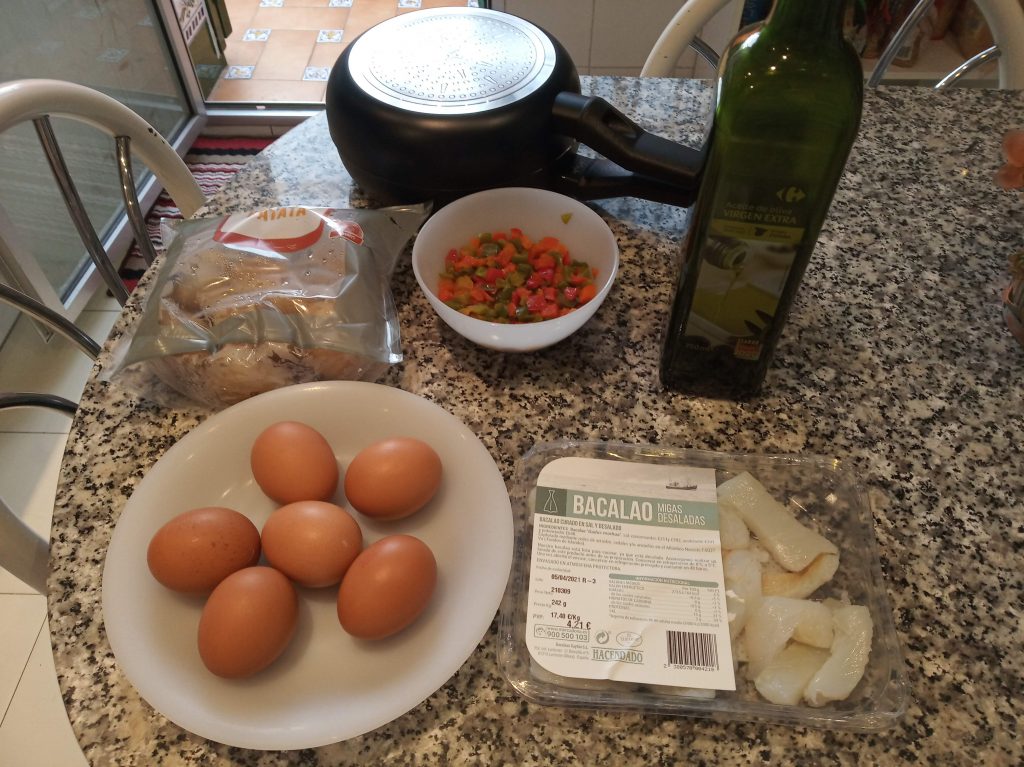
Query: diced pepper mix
507,277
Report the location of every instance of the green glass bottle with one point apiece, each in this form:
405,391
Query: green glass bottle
788,107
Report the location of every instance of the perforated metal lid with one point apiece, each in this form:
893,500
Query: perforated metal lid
451,60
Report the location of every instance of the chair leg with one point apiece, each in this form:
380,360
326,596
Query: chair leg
136,217
35,399
51,319
23,553
48,141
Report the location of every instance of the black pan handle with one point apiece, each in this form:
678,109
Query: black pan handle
649,162
590,178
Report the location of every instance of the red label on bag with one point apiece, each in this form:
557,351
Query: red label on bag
282,230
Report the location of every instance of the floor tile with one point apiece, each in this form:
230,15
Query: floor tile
28,485
36,457
98,322
102,301
57,367
300,18
363,16
113,55
325,54
316,74
240,72
256,35
36,730
330,35
21,620
285,55
239,53
240,12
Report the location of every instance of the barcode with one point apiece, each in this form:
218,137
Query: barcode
692,648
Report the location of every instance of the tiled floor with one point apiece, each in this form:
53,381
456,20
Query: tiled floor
283,50
34,729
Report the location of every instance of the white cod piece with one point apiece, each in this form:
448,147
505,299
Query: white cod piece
791,544
848,658
742,571
734,533
776,620
784,678
803,583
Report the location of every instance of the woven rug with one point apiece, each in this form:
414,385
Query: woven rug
213,160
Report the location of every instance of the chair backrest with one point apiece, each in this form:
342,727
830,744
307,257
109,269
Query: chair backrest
23,553
1005,19
38,100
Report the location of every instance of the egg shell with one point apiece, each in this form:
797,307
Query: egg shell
312,542
196,550
247,622
292,461
393,478
387,587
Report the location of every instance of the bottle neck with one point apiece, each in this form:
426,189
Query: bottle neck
814,19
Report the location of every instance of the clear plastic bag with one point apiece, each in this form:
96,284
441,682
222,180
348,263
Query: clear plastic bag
255,301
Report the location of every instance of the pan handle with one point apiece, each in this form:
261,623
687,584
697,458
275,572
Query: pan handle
653,160
589,178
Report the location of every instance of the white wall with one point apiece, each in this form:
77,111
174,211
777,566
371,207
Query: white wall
613,37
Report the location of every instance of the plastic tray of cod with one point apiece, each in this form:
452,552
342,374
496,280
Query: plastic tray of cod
691,583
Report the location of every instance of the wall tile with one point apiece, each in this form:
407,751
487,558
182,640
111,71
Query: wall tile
568,21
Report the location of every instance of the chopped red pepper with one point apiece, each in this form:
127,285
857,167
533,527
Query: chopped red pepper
507,277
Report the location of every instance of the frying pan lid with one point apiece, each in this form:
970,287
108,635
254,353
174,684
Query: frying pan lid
449,61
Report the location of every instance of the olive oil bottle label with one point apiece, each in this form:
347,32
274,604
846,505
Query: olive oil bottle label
744,264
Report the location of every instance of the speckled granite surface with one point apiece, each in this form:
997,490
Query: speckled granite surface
895,360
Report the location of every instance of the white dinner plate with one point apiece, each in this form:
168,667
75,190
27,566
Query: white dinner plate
327,686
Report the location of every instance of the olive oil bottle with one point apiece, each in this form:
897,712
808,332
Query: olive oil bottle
788,107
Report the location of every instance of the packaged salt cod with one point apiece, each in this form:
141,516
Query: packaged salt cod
693,583
262,299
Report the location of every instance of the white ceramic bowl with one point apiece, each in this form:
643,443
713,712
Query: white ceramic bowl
539,213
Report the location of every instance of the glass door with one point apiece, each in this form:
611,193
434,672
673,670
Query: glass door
124,48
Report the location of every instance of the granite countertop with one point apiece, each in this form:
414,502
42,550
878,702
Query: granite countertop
895,360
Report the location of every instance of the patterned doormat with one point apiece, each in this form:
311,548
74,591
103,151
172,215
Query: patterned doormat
213,160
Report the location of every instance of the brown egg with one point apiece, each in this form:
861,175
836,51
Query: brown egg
393,478
196,550
387,587
312,542
247,622
293,462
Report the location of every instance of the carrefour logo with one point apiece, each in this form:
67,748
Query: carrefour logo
790,194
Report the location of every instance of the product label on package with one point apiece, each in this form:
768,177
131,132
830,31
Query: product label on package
626,575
